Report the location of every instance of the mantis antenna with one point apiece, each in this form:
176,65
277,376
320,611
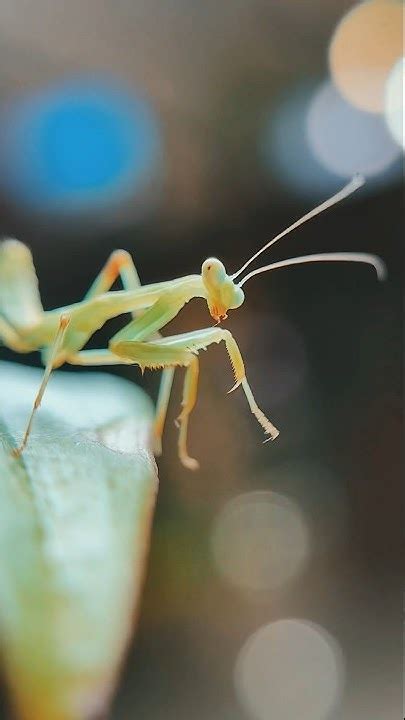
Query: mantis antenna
373,260
356,182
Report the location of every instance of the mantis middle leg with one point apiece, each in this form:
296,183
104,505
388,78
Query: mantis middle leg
120,264
188,402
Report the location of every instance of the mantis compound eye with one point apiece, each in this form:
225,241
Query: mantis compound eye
213,272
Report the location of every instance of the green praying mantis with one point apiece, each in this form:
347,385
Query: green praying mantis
62,334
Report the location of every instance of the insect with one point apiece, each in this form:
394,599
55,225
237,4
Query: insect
62,334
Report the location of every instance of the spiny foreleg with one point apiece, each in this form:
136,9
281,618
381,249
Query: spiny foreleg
201,339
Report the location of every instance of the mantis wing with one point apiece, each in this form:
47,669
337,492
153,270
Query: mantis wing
20,302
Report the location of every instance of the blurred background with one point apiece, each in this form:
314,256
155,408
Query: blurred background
181,130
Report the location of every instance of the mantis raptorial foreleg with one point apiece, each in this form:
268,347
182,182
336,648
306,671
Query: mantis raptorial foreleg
199,340
181,350
57,344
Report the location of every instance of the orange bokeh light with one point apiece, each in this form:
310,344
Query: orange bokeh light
363,49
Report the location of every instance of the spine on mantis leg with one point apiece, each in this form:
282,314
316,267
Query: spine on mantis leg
240,379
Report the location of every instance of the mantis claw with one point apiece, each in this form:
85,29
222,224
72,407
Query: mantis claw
189,462
272,437
234,387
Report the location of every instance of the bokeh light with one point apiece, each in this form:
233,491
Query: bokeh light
260,541
394,101
78,146
364,47
347,140
284,149
290,669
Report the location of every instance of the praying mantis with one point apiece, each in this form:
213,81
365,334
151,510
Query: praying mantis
62,334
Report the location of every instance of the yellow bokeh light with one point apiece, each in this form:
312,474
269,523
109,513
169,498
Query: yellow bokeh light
364,47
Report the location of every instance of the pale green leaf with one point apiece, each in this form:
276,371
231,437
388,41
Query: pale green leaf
75,516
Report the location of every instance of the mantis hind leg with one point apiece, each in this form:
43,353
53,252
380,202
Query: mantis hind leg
57,344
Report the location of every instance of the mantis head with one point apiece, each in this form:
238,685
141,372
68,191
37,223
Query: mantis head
222,293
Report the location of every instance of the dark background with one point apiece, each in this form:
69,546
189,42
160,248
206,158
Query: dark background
322,344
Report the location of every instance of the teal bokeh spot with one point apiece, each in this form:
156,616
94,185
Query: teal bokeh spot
81,144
